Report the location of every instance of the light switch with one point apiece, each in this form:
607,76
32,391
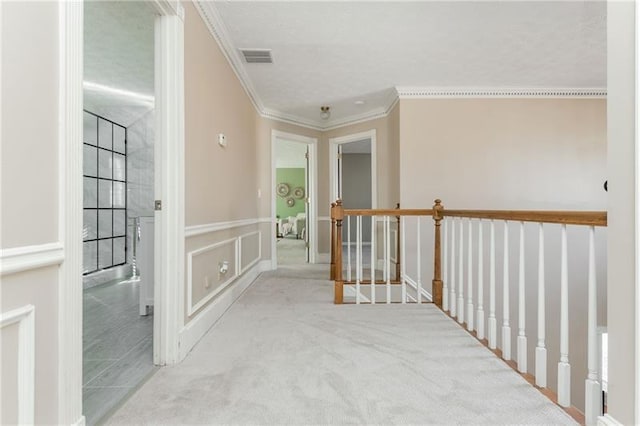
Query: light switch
222,140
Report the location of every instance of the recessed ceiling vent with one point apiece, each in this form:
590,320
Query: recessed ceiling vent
257,56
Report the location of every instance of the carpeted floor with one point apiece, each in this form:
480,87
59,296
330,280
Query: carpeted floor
284,354
291,251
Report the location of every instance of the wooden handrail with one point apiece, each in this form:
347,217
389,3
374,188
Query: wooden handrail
438,212
388,212
587,218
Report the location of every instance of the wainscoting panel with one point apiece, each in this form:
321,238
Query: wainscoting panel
205,278
250,249
24,364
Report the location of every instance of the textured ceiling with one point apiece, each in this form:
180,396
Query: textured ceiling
119,53
335,53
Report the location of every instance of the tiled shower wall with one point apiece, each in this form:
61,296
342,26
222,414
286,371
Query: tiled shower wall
140,172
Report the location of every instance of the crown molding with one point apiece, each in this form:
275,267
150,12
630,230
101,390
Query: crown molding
217,28
416,92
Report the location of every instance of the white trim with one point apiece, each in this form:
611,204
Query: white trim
244,268
324,218
169,182
70,217
25,318
637,218
25,258
312,192
417,92
194,230
414,285
195,329
607,420
191,308
333,153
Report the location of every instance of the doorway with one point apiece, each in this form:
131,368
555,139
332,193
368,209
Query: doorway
353,180
293,204
118,203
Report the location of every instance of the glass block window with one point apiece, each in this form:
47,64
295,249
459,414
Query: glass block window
105,193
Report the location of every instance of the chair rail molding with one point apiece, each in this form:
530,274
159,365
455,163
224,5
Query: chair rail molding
26,258
195,230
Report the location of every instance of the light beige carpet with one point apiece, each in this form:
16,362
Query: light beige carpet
284,354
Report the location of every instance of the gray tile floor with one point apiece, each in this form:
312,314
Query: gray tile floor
118,347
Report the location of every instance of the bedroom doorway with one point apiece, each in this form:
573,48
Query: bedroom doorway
293,205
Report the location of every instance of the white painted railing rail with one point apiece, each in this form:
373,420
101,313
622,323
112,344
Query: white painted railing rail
461,293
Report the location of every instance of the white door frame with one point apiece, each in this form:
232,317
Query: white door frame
637,217
333,170
312,193
169,187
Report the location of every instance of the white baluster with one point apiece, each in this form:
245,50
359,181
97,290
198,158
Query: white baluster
374,258
452,262
419,264
506,329
480,313
522,338
593,391
470,313
358,257
403,260
349,248
388,259
541,350
445,269
461,274
384,249
492,287
564,369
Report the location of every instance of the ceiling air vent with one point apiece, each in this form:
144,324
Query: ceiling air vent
257,56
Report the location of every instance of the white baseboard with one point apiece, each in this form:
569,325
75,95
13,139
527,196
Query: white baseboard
198,326
80,422
607,420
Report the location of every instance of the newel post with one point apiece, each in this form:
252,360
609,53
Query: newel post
332,242
338,285
437,257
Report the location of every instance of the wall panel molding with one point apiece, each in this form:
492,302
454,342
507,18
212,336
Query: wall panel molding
244,268
26,258
194,307
25,318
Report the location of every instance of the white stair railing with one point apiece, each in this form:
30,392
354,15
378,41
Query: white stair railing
448,290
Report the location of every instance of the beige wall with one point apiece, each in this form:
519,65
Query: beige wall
623,180
29,187
468,151
29,176
513,154
221,183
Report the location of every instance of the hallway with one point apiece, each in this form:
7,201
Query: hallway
285,354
